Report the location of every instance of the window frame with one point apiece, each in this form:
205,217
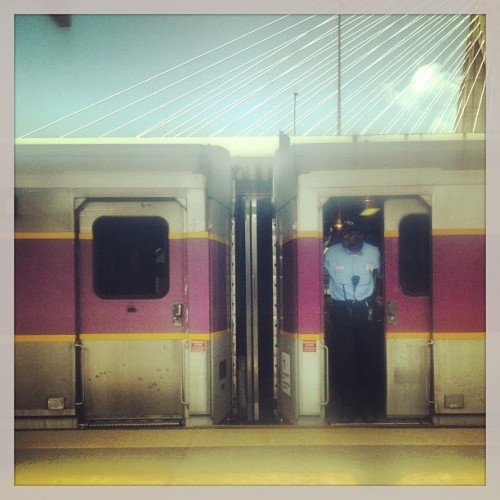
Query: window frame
422,289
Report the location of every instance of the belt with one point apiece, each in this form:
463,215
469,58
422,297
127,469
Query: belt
352,302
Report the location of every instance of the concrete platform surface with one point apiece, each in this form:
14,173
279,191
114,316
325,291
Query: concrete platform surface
251,456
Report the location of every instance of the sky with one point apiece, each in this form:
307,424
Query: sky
237,75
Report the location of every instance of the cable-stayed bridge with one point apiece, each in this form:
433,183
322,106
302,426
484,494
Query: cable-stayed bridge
319,75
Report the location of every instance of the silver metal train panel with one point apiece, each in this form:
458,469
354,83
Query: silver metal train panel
165,361
435,366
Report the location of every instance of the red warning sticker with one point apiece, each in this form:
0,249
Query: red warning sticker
198,345
309,346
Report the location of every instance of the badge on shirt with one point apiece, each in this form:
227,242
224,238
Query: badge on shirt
370,267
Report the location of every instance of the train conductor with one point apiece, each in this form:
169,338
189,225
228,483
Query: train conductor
353,266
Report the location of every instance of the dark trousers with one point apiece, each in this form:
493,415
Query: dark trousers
356,360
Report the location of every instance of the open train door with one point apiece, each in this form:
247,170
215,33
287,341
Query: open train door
131,300
407,234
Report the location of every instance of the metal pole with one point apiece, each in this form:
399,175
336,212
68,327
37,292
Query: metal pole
339,112
295,94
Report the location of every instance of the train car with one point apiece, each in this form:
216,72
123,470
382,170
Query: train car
156,285
122,255
427,199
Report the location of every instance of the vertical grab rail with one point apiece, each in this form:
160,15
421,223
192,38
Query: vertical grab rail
327,374
428,367
185,348
79,345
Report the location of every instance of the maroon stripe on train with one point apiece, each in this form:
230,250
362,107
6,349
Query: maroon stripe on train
198,279
459,283
44,299
45,291
310,285
302,285
413,313
219,273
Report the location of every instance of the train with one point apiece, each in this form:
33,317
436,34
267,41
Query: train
159,282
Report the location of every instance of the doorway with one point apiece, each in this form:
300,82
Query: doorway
130,282
356,349
401,330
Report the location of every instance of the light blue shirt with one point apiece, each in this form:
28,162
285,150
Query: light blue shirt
341,265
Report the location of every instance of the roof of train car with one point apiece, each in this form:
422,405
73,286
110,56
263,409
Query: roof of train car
444,151
449,151
88,154
249,146
234,146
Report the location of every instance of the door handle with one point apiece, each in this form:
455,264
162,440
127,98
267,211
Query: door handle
392,313
177,313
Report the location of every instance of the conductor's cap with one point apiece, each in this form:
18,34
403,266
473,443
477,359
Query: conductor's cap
353,224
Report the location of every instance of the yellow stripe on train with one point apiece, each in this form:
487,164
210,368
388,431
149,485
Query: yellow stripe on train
392,233
122,336
437,336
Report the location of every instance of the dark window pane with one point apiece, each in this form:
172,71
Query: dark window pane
130,257
414,254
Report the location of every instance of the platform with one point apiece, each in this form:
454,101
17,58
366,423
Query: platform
263,455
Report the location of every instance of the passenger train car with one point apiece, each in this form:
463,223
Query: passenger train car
427,193
151,288
122,284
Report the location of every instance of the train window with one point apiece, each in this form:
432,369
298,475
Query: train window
414,254
130,257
